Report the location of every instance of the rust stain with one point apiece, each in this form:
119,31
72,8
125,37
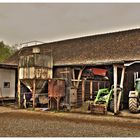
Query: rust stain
56,88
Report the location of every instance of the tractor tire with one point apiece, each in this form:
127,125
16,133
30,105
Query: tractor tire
111,106
133,105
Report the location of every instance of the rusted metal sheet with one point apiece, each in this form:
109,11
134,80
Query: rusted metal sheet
56,88
36,60
39,84
33,72
35,66
43,73
43,60
26,73
26,61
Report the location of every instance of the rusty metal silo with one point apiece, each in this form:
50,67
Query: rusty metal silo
34,70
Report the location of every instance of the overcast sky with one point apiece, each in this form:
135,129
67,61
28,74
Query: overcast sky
48,22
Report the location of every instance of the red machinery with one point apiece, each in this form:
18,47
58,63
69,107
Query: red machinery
92,72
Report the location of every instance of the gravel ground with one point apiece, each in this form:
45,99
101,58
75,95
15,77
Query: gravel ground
25,123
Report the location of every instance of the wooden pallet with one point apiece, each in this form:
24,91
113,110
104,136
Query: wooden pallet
98,109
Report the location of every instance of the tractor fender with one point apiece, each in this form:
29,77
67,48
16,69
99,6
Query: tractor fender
133,94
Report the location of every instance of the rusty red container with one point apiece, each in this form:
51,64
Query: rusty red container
56,88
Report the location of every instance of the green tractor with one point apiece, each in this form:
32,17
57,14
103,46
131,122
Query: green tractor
134,96
104,101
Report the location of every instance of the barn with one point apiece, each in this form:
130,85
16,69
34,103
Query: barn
113,59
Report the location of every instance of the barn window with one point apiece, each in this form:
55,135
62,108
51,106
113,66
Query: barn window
6,84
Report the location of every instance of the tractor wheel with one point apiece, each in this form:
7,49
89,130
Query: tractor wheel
133,105
111,106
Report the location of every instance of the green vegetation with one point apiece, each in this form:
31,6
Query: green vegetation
5,51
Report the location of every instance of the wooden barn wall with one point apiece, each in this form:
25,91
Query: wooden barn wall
65,72
96,86
129,81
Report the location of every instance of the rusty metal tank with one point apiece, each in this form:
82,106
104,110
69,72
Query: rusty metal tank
36,66
56,88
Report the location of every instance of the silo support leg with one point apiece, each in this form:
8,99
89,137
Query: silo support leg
58,103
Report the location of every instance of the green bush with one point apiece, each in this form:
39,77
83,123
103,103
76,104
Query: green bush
5,51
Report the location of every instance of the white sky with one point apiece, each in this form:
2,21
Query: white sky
48,22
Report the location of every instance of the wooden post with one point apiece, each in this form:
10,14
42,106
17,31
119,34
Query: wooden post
73,76
18,92
122,77
50,103
91,88
83,90
79,76
115,89
121,86
58,100
118,101
34,90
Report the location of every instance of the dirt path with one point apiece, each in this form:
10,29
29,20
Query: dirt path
29,123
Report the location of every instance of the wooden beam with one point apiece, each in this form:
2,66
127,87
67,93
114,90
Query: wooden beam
34,90
121,86
79,76
122,77
64,72
58,102
75,80
18,92
83,90
50,103
115,89
73,76
118,101
91,88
